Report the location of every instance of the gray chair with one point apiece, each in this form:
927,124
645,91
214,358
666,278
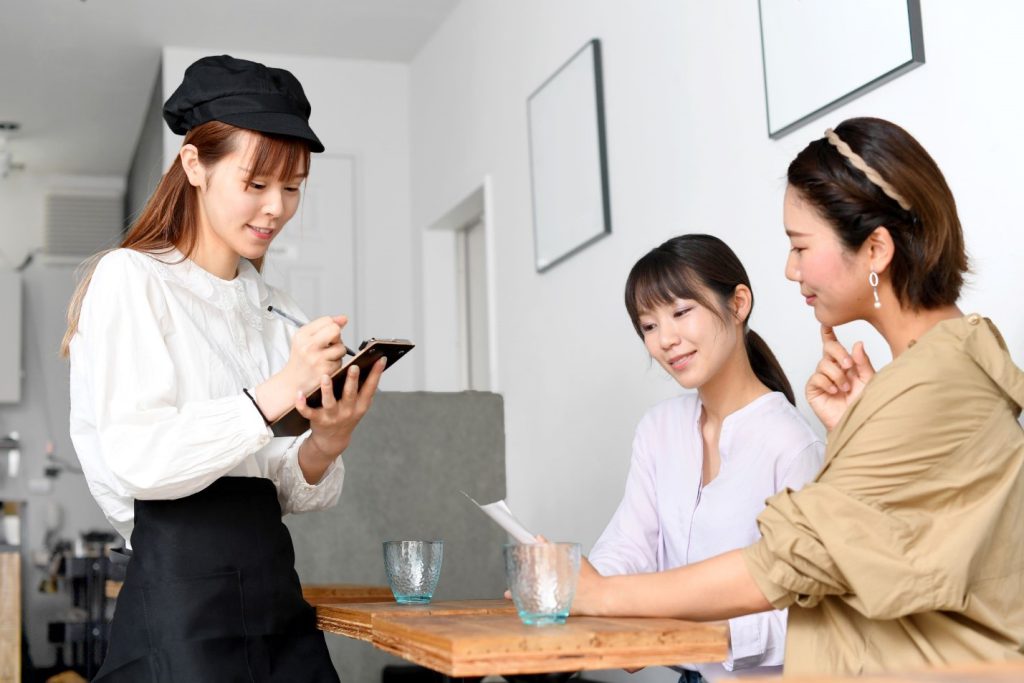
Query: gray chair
410,458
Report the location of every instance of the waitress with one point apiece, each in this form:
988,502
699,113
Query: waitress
177,370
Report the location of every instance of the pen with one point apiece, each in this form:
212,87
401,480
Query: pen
298,323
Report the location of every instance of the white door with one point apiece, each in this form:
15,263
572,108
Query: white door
314,259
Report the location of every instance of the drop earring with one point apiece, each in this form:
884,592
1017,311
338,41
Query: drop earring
873,281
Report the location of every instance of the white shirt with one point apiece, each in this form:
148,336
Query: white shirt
162,353
668,519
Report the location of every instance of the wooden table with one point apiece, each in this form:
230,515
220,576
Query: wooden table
315,593
485,637
356,620
340,593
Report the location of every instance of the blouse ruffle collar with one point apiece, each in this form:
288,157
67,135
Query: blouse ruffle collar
247,293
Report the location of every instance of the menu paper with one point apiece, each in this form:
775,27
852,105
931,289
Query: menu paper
503,517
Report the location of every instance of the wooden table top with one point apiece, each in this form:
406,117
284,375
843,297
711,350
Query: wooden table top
484,637
338,593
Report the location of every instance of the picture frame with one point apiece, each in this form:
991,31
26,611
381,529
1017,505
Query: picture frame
569,159
818,55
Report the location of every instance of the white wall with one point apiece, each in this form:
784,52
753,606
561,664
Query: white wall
21,215
360,108
688,152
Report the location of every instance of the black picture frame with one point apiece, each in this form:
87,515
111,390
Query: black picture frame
917,58
568,149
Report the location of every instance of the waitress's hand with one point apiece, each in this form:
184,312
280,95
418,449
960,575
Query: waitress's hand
838,380
332,425
316,351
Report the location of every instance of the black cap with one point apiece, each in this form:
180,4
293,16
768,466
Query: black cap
244,94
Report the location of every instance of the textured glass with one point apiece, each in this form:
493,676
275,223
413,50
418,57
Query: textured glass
413,568
542,578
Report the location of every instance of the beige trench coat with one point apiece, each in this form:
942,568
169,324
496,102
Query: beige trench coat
907,551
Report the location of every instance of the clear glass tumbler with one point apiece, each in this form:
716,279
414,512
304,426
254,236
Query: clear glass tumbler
413,568
542,578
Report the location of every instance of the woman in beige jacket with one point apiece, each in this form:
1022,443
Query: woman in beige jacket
907,550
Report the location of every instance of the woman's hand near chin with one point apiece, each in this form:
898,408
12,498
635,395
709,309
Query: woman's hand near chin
838,380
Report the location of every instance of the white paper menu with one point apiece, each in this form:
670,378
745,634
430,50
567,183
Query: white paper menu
503,517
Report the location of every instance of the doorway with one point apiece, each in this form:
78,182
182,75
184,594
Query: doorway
459,322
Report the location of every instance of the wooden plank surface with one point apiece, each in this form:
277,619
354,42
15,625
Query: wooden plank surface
10,617
356,620
334,593
1001,672
315,593
482,645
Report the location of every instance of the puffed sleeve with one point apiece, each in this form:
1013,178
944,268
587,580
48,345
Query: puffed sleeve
888,525
629,543
295,493
154,447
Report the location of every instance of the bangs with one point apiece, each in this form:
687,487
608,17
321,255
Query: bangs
278,156
657,284
659,278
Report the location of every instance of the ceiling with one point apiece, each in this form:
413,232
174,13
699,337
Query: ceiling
77,74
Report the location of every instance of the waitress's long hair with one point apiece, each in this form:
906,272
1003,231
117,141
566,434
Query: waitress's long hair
170,218
691,267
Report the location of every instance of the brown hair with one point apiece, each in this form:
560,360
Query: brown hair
688,267
929,262
170,219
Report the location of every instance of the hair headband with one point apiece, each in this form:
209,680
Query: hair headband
858,162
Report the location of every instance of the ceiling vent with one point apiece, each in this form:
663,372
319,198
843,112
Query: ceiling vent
82,224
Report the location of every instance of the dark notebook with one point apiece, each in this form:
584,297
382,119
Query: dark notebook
293,423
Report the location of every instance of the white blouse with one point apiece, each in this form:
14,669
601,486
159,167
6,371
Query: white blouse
667,518
162,353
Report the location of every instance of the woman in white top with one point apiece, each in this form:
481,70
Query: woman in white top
177,369
703,464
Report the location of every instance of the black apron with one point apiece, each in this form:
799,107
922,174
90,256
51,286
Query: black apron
211,594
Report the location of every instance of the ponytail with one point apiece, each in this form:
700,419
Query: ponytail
765,365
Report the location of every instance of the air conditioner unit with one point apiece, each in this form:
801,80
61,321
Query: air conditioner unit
80,224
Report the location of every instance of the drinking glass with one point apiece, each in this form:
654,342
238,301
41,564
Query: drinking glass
542,579
413,568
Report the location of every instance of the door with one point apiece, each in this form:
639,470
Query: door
314,258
